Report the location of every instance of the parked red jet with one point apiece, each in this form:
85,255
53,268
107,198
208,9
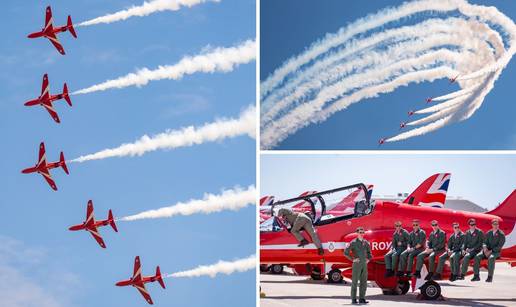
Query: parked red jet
91,225
42,167
50,32
452,80
138,281
378,218
429,99
45,99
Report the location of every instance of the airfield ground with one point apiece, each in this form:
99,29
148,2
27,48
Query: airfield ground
290,290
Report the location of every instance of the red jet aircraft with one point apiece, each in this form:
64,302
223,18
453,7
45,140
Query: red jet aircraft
378,218
42,167
45,99
403,125
452,80
381,141
91,225
138,281
429,99
411,112
50,32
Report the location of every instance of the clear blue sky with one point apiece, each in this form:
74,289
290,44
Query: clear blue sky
290,26
483,179
52,266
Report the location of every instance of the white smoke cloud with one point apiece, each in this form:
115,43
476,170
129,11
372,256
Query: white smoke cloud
232,199
145,9
217,60
189,136
221,267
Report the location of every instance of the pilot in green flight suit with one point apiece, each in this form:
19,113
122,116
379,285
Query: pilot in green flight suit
416,245
299,221
435,247
473,241
400,240
494,241
454,252
359,252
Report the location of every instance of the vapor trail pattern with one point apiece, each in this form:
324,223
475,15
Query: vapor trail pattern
418,41
221,267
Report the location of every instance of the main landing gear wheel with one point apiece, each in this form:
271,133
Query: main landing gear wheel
431,290
264,268
276,269
335,276
316,274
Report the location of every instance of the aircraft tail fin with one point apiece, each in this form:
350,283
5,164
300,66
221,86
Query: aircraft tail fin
111,220
66,95
430,193
159,278
70,27
507,209
62,163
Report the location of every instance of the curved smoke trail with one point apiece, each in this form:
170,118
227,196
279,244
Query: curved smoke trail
381,52
145,9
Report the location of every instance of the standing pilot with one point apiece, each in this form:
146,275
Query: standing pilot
400,240
359,252
416,245
435,247
299,221
454,252
472,246
495,239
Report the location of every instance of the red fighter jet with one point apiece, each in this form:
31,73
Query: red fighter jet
91,225
381,141
452,80
403,125
378,217
45,99
50,32
42,167
138,281
411,112
429,99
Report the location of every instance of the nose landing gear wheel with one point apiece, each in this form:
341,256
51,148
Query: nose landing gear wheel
335,276
276,269
431,290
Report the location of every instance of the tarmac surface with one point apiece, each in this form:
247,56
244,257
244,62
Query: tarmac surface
291,290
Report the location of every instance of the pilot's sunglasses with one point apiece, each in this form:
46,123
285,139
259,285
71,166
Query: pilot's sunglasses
398,225
434,224
472,224
455,227
415,224
361,232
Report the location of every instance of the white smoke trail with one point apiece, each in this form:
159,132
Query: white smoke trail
217,60
345,68
145,9
221,267
189,136
233,199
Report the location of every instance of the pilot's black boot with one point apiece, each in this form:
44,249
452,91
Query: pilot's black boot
320,251
389,273
363,301
417,274
475,278
461,277
354,302
303,243
453,277
489,279
400,274
437,276
429,276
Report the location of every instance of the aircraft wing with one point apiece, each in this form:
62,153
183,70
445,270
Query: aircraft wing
89,212
46,174
137,272
45,91
53,39
48,18
52,112
42,156
144,293
95,233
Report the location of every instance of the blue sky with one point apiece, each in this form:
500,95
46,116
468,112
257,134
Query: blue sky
286,32
52,266
483,179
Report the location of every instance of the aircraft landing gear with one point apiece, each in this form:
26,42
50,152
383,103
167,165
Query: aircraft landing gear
402,288
335,276
276,269
316,274
430,290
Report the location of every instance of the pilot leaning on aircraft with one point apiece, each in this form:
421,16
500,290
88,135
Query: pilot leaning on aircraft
454,252
400,240
494,241
299,221
359,252
416,246
472,246
435,247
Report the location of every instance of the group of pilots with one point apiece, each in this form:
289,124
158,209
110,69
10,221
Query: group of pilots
473,244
